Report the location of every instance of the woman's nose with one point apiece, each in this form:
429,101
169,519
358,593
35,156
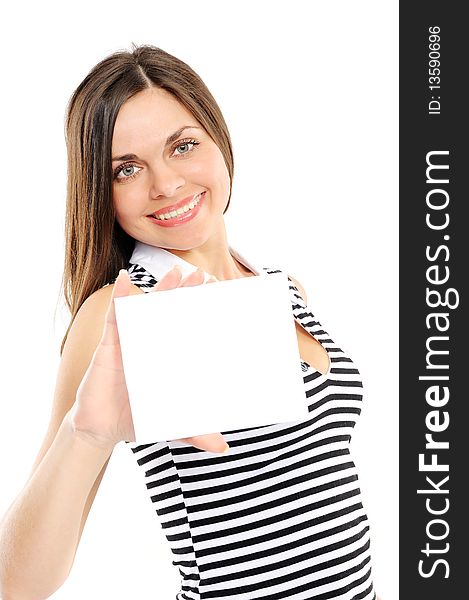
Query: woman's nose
165,180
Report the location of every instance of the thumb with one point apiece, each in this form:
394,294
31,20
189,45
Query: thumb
122,287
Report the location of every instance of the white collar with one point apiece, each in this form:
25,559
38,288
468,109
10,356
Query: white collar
159,261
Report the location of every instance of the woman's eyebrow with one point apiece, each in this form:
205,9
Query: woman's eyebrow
172,138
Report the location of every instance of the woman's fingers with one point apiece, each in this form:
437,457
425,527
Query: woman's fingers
173,279
169,281
195,278
211,442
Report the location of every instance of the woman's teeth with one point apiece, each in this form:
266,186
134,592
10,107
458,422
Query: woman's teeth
179,211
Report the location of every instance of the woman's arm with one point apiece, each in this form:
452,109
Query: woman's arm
40,532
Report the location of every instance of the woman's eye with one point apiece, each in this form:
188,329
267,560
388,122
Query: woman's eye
186,147
126,172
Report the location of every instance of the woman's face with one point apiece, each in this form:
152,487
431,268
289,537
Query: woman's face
171,166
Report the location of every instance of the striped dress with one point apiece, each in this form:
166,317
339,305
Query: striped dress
280,515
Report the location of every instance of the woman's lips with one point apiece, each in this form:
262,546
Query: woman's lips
172,207
180,219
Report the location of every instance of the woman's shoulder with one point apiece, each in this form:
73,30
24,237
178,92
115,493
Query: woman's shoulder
89,320
98,302
104,294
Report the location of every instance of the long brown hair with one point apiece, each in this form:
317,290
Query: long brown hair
96,247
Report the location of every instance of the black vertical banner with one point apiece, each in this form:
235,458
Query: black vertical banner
434,334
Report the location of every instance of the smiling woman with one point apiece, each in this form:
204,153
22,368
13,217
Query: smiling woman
173,181
276,511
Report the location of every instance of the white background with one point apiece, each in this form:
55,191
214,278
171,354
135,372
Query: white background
309,92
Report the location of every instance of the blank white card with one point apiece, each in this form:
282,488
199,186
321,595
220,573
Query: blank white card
211,358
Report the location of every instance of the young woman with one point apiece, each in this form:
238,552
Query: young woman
276,512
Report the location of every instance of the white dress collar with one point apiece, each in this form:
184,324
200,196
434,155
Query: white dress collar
159,261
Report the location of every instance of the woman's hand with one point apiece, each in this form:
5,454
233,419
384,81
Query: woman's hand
101,413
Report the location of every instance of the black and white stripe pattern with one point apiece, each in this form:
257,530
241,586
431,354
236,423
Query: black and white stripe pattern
280,515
